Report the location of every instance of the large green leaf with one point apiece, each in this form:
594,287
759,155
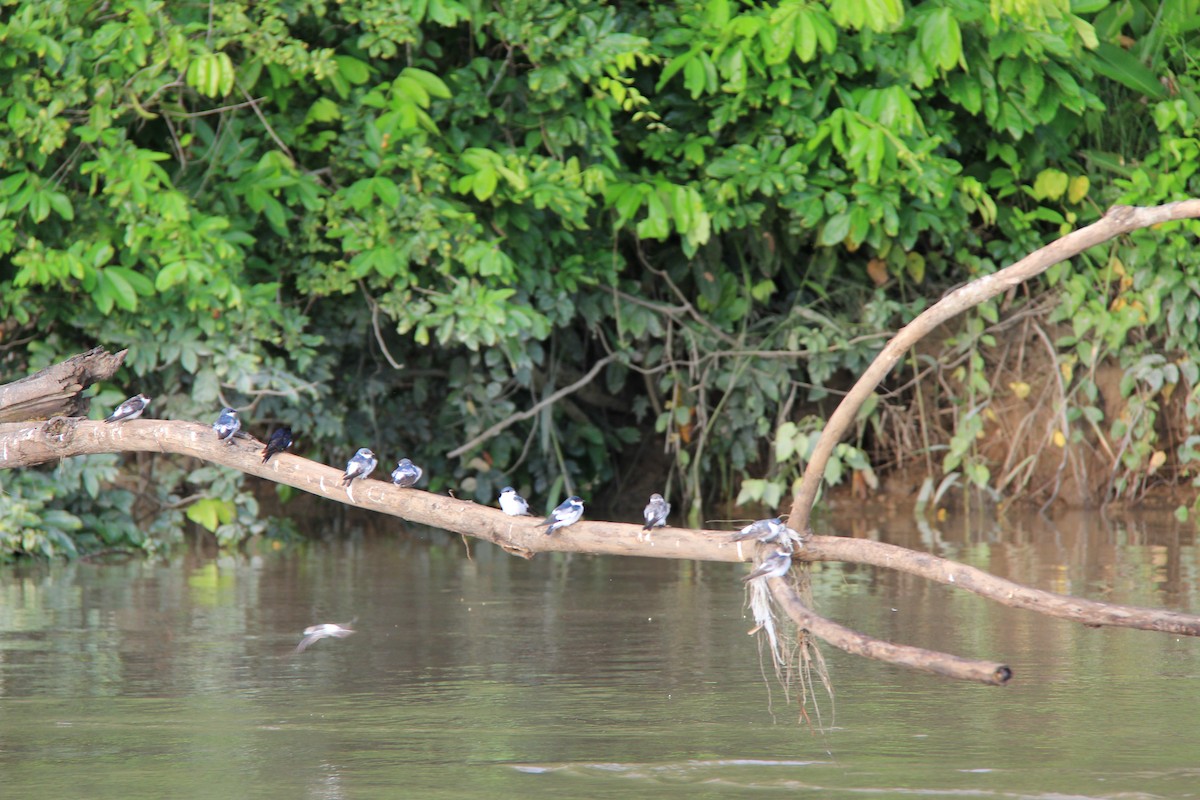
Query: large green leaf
1119,65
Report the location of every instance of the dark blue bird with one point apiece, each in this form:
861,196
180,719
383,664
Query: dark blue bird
512,503
280,440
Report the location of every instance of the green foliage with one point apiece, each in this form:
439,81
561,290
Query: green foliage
210,513
794,445
33,519
397,225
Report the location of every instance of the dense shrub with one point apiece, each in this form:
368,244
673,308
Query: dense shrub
397,224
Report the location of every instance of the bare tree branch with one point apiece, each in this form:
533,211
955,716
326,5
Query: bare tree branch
56,390
374,306
859,644
23,445
254,106
1000,590
537,407
1118,220
30,444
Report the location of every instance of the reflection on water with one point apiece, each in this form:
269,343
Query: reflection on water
587,677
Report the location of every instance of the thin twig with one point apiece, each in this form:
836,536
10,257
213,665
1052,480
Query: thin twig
1064,423
208,112
261,118
375,325
531,412
295,392
691,309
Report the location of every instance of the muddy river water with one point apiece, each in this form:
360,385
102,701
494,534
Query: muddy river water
575,676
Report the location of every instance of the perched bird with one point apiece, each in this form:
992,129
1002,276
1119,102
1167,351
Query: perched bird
361,465
315,633
406,474
512,503
764,530
227,425
568,513
280,440
130,409
775,565
656,512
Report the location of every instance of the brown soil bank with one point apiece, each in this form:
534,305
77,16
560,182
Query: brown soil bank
1048,429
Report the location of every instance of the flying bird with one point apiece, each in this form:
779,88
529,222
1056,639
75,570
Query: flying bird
280,440
512,503
568,513
227,425
130,409
406,474
360,465
315,633
775,565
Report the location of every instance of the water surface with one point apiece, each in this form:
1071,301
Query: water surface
575,676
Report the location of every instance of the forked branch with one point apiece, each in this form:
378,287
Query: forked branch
859,644
31,443
1117,221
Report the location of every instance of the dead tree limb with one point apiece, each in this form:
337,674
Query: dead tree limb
1000,590
57,390
1117,221
859,644
39,443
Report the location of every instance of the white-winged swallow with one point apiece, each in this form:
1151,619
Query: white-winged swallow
360,465
656,512
775,565
280,440
406,474
227,425
512,503
315,633
568,513
130,409
764,530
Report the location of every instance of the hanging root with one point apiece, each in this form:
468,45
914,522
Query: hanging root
795,655
764,623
